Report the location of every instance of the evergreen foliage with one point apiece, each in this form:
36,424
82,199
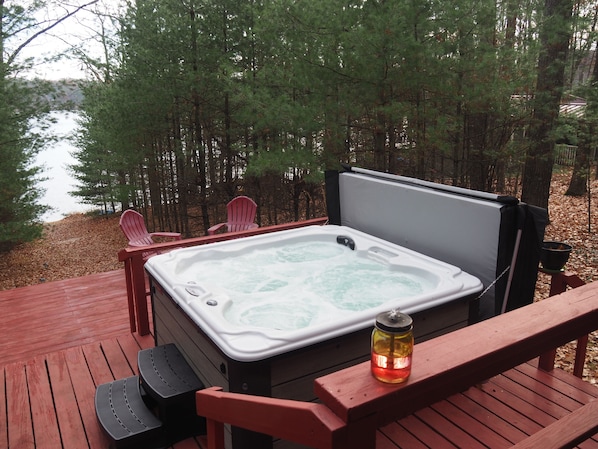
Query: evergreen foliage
20,210
217,97
19,143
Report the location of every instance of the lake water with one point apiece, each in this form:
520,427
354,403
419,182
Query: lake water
55,158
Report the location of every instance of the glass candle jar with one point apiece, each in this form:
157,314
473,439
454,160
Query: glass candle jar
392,347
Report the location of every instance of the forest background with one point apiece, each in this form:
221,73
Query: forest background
190,103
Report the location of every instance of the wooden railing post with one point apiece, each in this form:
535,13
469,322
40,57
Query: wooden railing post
580,356
130,295
143,326
559,282
215,434
136,297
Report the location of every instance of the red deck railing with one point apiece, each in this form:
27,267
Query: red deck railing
353,405
559,283
133,258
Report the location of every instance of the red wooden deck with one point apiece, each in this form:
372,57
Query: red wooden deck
62,339
44,318
59,341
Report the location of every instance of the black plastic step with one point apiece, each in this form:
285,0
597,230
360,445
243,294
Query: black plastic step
124,416
166,376
171,383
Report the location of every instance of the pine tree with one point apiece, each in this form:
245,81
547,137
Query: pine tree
21,107
555,34
19,209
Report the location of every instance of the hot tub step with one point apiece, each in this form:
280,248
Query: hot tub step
124,416
171,383
166,376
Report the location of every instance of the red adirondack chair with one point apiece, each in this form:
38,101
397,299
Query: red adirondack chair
133,226
240,216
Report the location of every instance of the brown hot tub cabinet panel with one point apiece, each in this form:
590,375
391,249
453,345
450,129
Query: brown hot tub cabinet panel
289,375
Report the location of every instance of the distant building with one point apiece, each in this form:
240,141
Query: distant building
571,105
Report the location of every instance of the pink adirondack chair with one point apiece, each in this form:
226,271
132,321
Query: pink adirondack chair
240,216
133,226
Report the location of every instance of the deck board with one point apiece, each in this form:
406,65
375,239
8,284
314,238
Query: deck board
508,407
67,409
20,434
3,415
58,315
44,421
84,389
487,418
495,414
484,435
449,427
50,398
60,341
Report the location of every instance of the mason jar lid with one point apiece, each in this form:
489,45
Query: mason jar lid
394,321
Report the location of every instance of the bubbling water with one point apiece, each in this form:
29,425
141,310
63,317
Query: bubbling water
303,284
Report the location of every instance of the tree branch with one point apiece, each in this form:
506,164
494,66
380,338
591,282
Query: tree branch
15,53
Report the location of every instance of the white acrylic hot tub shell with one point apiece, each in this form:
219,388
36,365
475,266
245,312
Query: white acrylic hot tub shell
175,273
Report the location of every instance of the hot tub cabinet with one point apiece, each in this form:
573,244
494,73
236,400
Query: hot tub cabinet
279,360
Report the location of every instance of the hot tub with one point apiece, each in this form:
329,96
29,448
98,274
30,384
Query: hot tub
268,314
262,296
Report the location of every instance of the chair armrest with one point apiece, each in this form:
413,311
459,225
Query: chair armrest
217,227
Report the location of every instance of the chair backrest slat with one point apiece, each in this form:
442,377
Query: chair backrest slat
133,226
241,212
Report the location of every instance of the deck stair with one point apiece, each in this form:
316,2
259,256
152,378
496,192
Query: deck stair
154,409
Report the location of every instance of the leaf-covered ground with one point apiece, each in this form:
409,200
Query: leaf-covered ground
574,220
84,244
75,246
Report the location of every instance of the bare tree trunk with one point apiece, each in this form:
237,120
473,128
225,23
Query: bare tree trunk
2,68
229,187
379,145
579,178
578,183
554,36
